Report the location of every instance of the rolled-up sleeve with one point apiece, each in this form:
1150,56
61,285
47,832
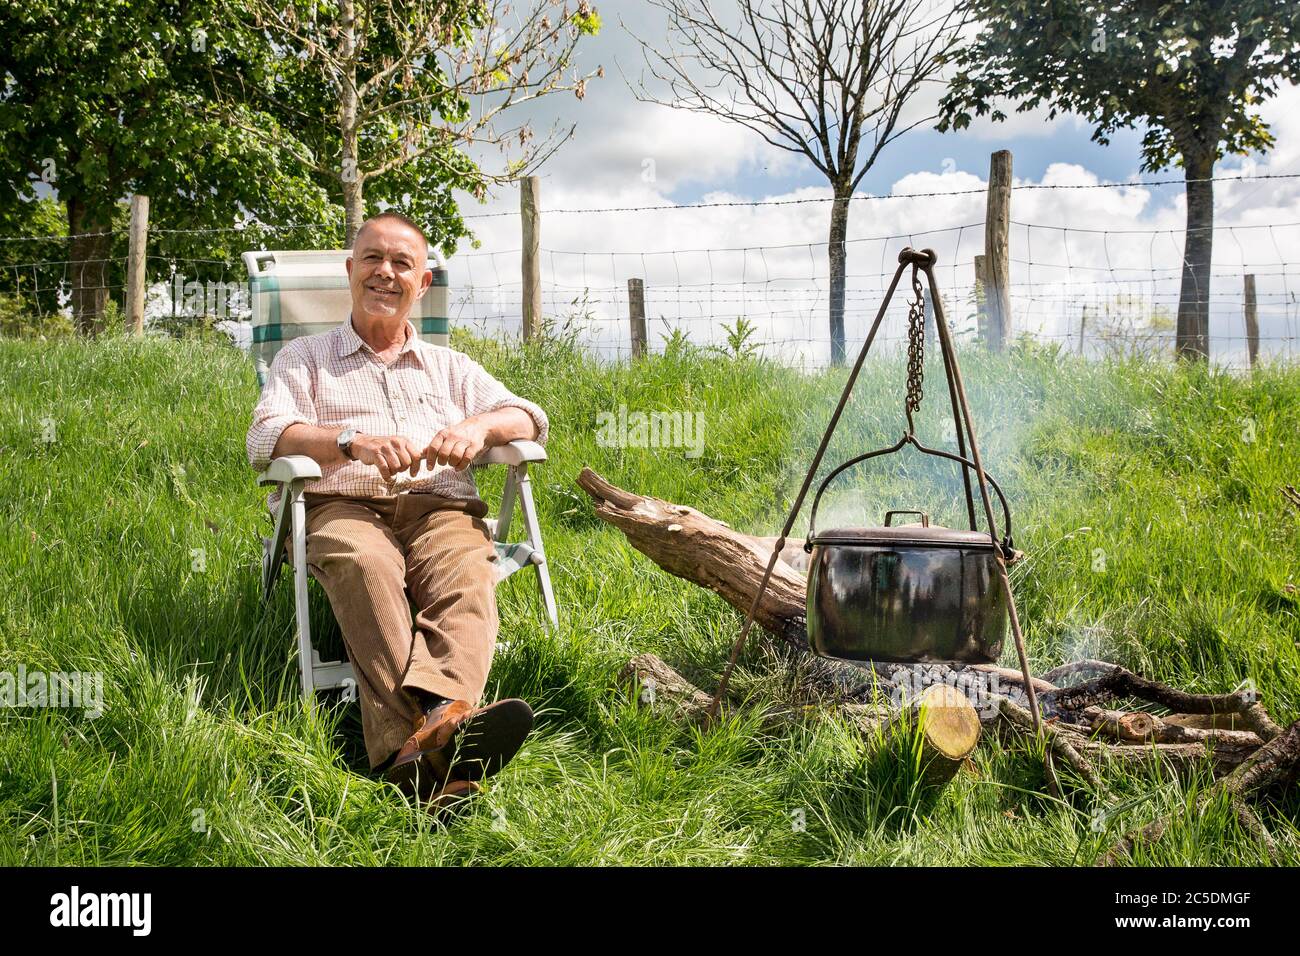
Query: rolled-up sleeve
286,400
482,393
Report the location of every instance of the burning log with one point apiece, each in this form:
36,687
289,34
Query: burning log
1135,726
1116,682
1233,729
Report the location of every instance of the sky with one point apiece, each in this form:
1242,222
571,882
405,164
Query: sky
1069,247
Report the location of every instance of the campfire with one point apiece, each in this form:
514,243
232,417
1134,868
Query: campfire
1086,721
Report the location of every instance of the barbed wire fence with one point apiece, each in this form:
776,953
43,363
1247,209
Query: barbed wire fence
782,292
1089,291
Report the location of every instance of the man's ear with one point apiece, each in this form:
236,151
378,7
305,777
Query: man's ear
425,281
348,266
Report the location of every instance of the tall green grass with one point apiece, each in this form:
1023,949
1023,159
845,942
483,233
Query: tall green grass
1146,498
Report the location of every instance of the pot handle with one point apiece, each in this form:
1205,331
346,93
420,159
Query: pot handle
1008,545
925,518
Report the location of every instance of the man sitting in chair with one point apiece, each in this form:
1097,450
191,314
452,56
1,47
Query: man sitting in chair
394,423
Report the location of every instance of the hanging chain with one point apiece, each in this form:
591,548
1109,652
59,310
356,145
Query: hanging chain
915,346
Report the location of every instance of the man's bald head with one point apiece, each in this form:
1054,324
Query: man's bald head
392,216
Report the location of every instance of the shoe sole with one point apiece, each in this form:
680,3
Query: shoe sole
488,741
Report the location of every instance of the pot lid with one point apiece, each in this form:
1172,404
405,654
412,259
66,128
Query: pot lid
935,536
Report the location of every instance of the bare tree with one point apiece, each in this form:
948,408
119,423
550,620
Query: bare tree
824,79
376,87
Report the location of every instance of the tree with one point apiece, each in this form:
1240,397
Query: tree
388,98
827,80
1193,71
102,99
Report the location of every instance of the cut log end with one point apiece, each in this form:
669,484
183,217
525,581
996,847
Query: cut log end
951,725
949,729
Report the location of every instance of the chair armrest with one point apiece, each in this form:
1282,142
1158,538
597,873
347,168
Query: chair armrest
512,453
289,468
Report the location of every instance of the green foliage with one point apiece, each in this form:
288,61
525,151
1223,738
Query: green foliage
422,72
20,319
738,338
34,289
1194,72
120,99
678,344
587,20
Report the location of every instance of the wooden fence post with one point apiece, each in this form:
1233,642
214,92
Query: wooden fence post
981,300
636,315
1252,322
138,242
531,214
1083,328
997,228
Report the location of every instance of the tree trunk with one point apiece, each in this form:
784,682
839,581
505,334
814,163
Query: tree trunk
350,177
691,545
354,209
89,244
1193,333
837,253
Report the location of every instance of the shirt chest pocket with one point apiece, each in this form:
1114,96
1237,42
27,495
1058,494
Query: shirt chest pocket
432,401
349,400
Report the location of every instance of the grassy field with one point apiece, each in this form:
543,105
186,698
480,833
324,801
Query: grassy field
1146,498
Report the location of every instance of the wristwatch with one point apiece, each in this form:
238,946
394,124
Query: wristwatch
345,439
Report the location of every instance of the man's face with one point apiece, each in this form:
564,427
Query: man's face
388,270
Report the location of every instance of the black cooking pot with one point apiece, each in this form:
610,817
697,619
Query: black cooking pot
905,594
908,594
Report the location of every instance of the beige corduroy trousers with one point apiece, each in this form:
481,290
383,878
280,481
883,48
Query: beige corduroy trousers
369,554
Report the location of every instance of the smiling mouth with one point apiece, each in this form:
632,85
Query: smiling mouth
385,293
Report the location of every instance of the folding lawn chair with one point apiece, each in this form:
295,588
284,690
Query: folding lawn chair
302,293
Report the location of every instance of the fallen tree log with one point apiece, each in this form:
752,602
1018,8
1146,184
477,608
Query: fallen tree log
1116,682
657,684
1225,755
1207,721
706,552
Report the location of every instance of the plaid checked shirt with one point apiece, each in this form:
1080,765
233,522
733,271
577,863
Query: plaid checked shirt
335,380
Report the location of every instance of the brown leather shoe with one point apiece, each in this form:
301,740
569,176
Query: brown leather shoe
459,742
434,731
489,738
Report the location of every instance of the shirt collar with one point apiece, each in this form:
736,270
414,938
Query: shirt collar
350,341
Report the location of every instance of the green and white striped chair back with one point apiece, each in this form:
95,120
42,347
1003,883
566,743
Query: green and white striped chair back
302,293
